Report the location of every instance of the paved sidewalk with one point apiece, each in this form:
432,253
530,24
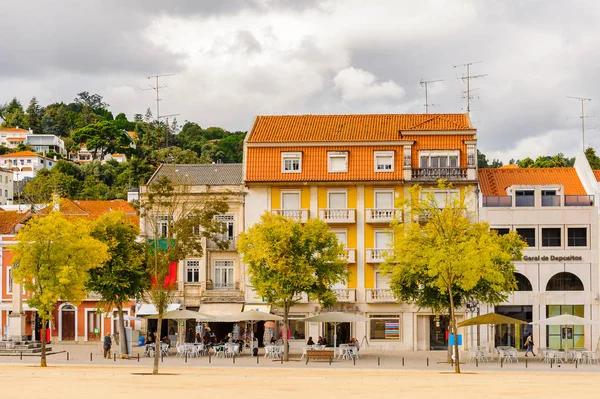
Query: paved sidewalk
370,359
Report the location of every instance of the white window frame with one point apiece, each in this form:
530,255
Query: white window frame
297,192
575,226
537,232
447,154
228,219
192,264
384,154
425,192
375,281
291,156
344,191
563,242
9,281
337,154
383,191
388,232
220,264
345,231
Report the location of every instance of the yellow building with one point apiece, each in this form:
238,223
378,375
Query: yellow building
353,171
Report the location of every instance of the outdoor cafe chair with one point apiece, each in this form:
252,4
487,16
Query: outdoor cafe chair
164,349
304,350
511,354
592,357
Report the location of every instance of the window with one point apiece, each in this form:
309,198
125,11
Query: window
501,231
342,237
223,275
163,225
228,221
297,328
29,161
527,235
551,237
577,237
382,281
5,179
564,281
550,198
384,199
440,198
524,198
192,270
384,327
337,200
382,239
290,200
337,162
439,159
9,280
523,283
291,162
384,161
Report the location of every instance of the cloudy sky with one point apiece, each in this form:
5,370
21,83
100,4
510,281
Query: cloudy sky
234,59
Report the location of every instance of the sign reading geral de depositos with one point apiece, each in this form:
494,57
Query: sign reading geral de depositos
553,258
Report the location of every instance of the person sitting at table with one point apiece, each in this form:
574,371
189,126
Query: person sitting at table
273,341
310,341
166,340
198,339
354,342
240,343
190,336
151,339
321,341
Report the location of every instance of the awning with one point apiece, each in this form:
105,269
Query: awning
148,309
219,310
258,308
8,306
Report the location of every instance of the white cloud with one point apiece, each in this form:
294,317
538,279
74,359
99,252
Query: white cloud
357,84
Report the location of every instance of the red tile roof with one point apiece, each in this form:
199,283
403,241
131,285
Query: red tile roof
13,129
495,181
93,209
21,154
351,128
597,174
10,219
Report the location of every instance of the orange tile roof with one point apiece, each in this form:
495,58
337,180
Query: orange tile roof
439,142
13,129
510,166
16,138
597,174
10,219
92,209
133,135
21,154
264,164
496,181
351,128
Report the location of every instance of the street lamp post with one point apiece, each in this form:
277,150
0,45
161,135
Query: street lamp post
472,307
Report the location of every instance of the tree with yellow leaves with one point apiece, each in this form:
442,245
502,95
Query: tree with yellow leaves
52,259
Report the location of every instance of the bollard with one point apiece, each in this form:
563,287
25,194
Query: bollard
209,358
476,362
162,358
282,359
90,356
257,357
551,362
378,361
576,363
67,356
114,357
21,355
186,357
427,362
402,362
138,357
354,358
233,357
330,361
525,363
501,362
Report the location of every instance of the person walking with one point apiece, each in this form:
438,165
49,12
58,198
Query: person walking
107,343
529,345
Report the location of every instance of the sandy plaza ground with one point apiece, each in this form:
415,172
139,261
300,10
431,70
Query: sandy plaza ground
77,381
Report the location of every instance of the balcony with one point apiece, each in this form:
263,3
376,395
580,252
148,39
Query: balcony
434,174
351,257
550,200
234,286
380,295
377,255
525,200
231,243
579,200
345,294
497,201
299,215
341,215
377,215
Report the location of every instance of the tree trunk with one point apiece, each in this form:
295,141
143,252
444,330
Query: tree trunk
158,343
454,329
286,322
122,338
43,336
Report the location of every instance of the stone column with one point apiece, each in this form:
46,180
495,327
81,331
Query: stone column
16,320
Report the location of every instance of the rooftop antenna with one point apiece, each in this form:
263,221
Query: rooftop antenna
425,83
157,87
467,78
583,116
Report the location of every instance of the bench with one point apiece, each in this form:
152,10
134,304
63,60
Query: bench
319,355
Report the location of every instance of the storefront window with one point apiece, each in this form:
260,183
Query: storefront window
297,329
562,337
385,327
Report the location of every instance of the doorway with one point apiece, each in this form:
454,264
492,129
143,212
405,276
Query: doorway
68,323
438,328
513,335
343,333
94,321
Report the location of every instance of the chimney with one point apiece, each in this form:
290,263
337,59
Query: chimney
55,202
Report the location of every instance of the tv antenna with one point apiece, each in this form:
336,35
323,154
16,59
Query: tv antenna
583,116
157,88
467,78
425,83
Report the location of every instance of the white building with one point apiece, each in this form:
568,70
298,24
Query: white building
6,186
555,211
11,137
43,143
25,164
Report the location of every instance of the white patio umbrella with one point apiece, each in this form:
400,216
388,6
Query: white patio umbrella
251,316
335,318
566,320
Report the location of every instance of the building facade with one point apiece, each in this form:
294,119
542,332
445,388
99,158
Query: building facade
354,171
25,164
211,283
44,143
554,210
11,137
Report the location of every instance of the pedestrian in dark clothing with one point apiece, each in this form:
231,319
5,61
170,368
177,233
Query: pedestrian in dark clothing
106,344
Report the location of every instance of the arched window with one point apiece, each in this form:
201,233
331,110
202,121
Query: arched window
523,283
564,281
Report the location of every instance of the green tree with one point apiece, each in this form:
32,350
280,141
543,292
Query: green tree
210,153
123,276
232,147
525,163
444,258
592,158
103,137
175,155
46,183
34,116
286,258
13,115
52,259
174,224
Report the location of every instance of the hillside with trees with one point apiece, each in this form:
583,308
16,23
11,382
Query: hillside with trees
88,120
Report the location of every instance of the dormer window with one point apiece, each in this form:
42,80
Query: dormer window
525,197
337,161
384,161
291,162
